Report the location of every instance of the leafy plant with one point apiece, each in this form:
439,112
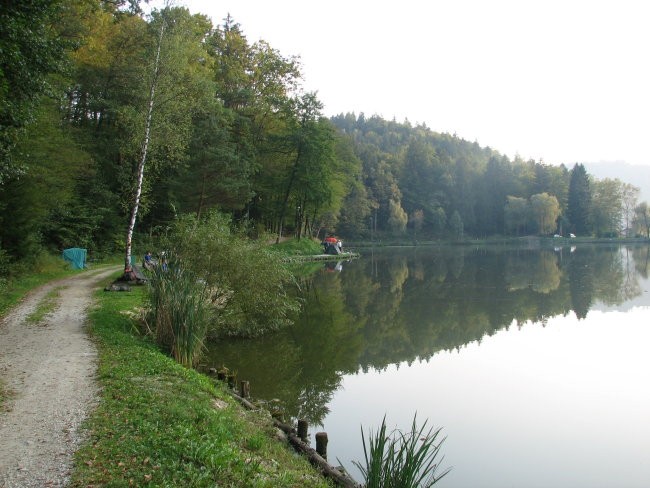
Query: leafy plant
245,282
401,460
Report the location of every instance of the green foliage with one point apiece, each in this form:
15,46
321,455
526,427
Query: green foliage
397,219
45,206
401,459
607,207
21,277
31,48
298,247
456,225
246,282
545,210
516,214
579,203
641,219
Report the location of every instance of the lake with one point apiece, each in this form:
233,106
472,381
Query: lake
534,362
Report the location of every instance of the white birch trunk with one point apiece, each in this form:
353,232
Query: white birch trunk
143,155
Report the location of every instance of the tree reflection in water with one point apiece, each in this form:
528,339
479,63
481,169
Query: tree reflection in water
406,304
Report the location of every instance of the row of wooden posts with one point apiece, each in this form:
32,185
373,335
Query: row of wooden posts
298,438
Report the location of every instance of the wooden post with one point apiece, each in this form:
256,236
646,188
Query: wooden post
221,375
321,444
231,380
303,427
244,389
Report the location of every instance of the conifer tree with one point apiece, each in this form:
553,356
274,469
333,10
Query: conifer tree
579,202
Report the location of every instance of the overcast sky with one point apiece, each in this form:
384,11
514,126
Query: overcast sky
559,81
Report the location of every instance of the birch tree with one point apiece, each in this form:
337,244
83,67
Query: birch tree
145,148
179,80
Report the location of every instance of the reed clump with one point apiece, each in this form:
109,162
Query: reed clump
179,313
402,459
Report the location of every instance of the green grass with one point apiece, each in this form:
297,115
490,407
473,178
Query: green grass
296,247
45,269
45,306
160,424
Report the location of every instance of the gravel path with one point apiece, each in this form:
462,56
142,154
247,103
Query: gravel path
48,369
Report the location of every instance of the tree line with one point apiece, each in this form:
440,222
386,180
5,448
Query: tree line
108,116
421,183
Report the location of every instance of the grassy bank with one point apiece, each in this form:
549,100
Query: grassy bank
160,424
45,268
298,247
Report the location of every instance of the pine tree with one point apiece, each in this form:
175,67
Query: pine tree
579,202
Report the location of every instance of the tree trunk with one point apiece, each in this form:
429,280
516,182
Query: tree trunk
143,155
283,209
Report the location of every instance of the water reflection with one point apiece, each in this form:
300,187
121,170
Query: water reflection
400,305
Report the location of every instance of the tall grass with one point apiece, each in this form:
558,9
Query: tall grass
179,313
401,460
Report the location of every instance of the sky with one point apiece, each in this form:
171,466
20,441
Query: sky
554,81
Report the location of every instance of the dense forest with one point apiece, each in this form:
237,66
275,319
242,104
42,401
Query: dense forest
111,121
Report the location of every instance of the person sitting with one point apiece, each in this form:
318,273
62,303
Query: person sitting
330,241
148,262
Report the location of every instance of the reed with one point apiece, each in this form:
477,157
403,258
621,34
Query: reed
179,313
401,460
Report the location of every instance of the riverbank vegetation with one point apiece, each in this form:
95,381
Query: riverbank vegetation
402,459
213,282
162,424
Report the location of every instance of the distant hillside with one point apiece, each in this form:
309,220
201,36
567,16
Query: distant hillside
637,175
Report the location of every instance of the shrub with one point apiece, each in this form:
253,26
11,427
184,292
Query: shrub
244,281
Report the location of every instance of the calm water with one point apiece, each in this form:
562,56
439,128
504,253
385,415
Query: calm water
534,362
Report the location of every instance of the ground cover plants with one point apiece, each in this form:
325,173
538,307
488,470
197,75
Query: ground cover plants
161,424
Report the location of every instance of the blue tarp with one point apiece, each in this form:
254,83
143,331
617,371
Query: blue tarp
76,257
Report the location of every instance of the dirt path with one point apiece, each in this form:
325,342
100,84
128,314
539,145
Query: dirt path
49,370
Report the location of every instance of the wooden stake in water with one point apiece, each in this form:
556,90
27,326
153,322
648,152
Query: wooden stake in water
303,427
321,444
244,389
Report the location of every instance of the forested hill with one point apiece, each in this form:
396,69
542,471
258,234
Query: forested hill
94,95
430,185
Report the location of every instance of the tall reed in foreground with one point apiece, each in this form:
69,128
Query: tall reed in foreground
179,313
401,460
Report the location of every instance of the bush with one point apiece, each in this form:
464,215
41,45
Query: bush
245,283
